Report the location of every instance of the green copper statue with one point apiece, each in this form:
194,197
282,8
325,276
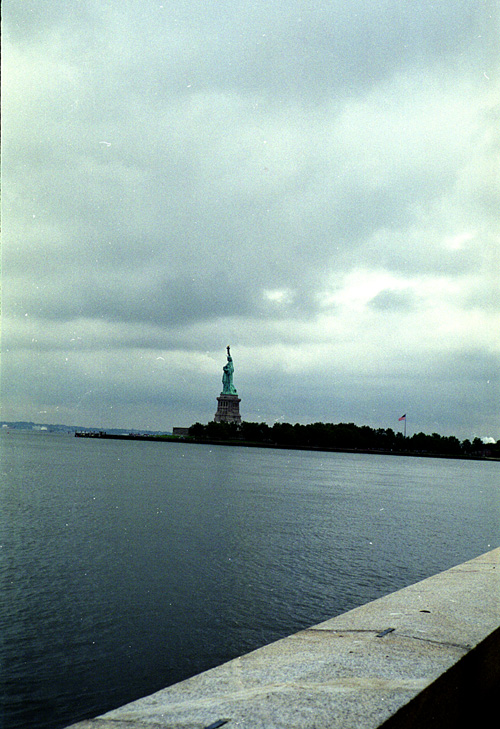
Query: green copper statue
227,377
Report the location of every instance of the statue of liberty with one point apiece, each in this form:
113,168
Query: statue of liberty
228,402
227,376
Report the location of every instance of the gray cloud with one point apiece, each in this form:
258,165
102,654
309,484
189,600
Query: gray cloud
388,300
316,185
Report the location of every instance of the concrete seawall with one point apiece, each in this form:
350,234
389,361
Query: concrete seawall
425,656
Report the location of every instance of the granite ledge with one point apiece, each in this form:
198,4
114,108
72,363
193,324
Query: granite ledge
426,655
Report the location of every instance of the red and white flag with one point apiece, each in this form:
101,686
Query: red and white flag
403,417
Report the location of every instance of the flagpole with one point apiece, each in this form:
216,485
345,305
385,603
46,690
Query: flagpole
403,417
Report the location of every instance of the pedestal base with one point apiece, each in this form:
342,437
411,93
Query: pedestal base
228,409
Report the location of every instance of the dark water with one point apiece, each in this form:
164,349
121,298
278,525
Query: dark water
128,566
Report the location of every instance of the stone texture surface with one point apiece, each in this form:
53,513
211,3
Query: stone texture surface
426,655
228,409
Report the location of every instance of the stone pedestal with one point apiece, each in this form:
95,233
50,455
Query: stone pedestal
228,409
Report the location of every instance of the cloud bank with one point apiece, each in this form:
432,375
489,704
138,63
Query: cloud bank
316,186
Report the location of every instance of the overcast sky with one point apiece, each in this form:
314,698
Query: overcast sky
313,183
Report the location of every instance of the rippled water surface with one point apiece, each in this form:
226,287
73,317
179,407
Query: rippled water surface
127,566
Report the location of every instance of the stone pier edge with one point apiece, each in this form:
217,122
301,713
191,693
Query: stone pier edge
425,656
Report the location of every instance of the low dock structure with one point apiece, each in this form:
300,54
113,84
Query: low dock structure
425,656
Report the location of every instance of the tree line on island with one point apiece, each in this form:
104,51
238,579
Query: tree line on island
341,436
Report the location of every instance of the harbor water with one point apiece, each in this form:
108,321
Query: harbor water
127,566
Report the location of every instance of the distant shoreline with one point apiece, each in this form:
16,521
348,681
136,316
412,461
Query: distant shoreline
248,444
101,434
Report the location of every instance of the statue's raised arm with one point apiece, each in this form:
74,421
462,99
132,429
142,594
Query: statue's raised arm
227,376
